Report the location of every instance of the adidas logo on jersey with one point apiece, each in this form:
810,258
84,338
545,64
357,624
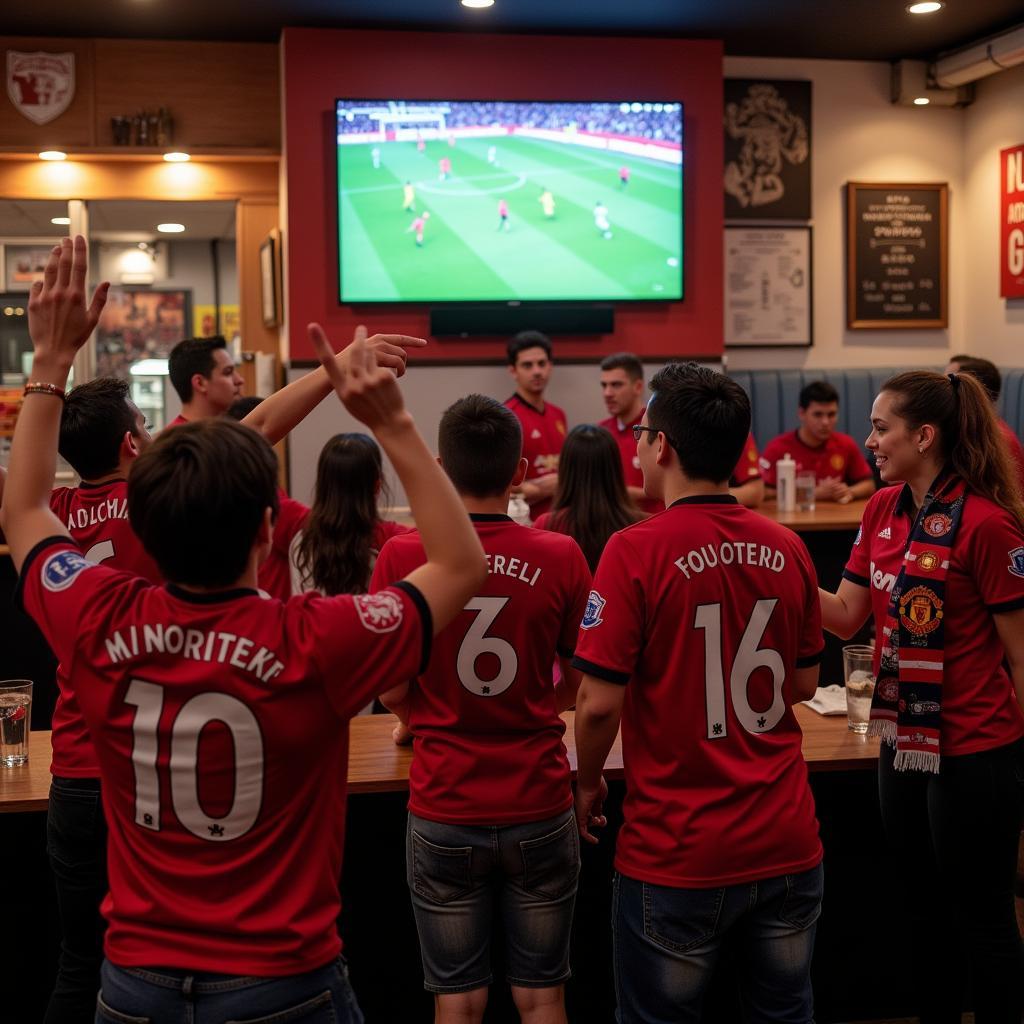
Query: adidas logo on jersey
535,434
886,534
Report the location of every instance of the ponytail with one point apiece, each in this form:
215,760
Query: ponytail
968,431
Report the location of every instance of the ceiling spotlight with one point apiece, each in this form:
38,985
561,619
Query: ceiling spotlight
477,3
929,7
921,101
177,158
52,154
171,229
62,221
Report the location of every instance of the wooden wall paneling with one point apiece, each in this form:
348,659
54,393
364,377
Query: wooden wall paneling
219,94
75,127
254,220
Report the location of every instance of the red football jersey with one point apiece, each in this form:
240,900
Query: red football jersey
985,575
747,468
543,436
220,723
275,575
703,612
623,434
488,740
839,456
96,516
177,421
1016,452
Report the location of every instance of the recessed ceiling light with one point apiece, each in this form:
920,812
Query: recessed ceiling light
177,158
171,229
921,101
477,3
52,154
929,7
60,220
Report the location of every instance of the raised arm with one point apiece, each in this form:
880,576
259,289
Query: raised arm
278,415
455,567
59,323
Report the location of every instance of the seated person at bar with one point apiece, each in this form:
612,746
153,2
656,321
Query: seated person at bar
529,363
203,374
703,628
838,464
489,794
230,903
622,388
992,381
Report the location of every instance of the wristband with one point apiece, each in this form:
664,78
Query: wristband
38,387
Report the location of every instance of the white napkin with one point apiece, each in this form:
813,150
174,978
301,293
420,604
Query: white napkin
829,700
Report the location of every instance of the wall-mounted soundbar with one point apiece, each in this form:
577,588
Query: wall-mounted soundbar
502,320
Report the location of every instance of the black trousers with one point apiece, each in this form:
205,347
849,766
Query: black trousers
76,843
953,839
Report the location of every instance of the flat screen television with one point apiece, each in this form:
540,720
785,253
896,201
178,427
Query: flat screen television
467,201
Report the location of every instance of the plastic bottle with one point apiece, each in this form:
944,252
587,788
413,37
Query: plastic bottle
785,483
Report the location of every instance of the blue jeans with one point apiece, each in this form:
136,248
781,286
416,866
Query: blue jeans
667,942
137,995
76,844
463,876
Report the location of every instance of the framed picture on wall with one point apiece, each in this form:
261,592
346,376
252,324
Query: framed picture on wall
897,255
140,323
270,279
767,149
768,293
24,264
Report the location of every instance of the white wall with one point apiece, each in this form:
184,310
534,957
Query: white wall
995,326
858,135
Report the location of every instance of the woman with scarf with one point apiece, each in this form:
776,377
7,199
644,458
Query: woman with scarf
939,563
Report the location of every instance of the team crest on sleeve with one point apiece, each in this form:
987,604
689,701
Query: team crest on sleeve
592,616
1016,565
60,570
379,613
938,525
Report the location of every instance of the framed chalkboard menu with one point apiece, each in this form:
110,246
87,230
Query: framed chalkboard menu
896,257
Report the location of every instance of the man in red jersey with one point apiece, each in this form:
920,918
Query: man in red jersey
992,380
836,460
543,424
702,629
622,388
203,374
489,793
205,684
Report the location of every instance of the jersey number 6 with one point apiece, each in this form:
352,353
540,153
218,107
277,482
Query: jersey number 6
477,642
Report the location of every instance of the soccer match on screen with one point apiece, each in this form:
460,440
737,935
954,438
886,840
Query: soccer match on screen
487,201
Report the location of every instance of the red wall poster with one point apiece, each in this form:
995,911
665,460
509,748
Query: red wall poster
1011,219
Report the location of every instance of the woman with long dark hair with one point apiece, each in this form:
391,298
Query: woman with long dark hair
591,502
336,550
939,563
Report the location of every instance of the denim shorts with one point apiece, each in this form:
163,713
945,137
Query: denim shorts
464,877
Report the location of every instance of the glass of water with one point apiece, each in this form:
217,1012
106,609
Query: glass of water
15,715
804,490
858,667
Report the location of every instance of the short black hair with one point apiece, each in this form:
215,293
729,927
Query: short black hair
984,370
624,361
524,340
704,415
191,356
197,496
480,443
241,407
95,418
818,391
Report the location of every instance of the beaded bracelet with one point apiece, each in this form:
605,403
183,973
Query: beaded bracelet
38,387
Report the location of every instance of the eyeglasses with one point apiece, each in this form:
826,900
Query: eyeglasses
639,431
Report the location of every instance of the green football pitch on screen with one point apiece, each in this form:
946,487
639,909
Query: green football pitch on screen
411,230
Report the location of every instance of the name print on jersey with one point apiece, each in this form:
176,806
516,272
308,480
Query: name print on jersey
500,565
730,552
113,508
195,644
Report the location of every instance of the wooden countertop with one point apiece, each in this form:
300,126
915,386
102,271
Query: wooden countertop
376,765
827,515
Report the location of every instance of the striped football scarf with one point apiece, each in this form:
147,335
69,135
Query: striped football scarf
906,710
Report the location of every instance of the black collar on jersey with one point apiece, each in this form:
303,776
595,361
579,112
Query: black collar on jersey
529,405
706,499
489,517
210,597
85,485
905,502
